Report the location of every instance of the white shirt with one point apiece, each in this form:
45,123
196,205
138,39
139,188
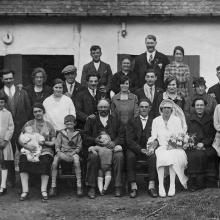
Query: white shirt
69,89
148,93
143,121
97,64
12,89
104,120
92,92
149,54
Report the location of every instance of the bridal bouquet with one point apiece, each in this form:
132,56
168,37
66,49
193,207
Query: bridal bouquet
181,141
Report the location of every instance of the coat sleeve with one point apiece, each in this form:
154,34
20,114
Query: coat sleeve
109,71
84,73
27,104
89,140
79,107
10,129
114,83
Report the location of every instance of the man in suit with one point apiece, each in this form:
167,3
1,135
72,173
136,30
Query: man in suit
103,121
103,70
214,91
19,105
87,99
151,59
150,91
71,86
137,133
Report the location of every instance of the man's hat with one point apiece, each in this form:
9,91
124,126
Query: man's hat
69,69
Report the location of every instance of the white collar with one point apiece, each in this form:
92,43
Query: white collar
12,88
142,118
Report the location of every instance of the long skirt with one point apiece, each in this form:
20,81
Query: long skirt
42,167
176,158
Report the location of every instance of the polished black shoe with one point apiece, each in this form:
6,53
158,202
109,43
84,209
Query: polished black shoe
3,191
153,193
133,193
53,192
118,192
91,193
24,196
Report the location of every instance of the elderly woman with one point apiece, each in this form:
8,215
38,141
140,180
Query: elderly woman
38,91
163,127
125,71
58,105
43,167
202,159
179,70
124,104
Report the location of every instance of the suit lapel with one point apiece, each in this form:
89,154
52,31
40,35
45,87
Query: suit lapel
16,97
92,67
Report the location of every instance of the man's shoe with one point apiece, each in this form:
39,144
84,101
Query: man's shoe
153,193
133,193
53,191
117,192
91,193
79,191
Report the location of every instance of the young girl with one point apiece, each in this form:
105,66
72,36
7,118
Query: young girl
6,132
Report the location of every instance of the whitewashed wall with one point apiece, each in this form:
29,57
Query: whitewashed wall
74,37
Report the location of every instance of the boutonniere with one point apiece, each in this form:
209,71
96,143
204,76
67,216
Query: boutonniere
160,65
156,61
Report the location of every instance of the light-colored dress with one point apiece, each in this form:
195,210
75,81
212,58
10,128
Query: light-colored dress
175,157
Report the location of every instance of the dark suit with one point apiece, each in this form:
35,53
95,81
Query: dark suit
76,90
154,107
136,139
104,72
93,127
86,105
159,63
216,90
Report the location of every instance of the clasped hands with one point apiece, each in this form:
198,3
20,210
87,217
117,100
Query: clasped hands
151,146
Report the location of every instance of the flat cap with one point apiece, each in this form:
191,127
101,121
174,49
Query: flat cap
69,69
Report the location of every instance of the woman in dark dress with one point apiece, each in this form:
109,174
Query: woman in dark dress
38,91
202,159
43,167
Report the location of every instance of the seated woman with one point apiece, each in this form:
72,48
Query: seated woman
202,159
124,104
6,153
43,167
163,127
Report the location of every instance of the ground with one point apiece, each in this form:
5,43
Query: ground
203,204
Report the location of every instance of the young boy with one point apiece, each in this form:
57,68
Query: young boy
68,145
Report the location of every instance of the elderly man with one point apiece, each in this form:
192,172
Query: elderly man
103,70
71,86
103,122
137,133
151,59
214,91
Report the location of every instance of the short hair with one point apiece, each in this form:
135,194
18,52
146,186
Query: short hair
38,105
92,74
3,97
57,81
104,99
178,48
7,71
198,82
145,100
169,80
151,36
218,68
126,58
198,98
39,70
68,118
123,79
151,71
95,47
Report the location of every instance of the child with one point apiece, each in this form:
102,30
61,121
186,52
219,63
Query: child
104,150
68,146
6,132
31,139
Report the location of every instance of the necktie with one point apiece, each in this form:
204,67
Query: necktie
144,120
10,94
150,58
151,94
71,87
93,93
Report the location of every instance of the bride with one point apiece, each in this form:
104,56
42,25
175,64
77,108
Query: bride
171,122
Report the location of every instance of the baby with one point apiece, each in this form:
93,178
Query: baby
31,139
105,152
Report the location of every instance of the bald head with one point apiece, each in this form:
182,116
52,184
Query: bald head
103,107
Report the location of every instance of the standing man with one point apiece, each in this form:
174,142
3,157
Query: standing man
71,87
150,91
151,59
137,133
103,70
103,122
19,105
214,91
